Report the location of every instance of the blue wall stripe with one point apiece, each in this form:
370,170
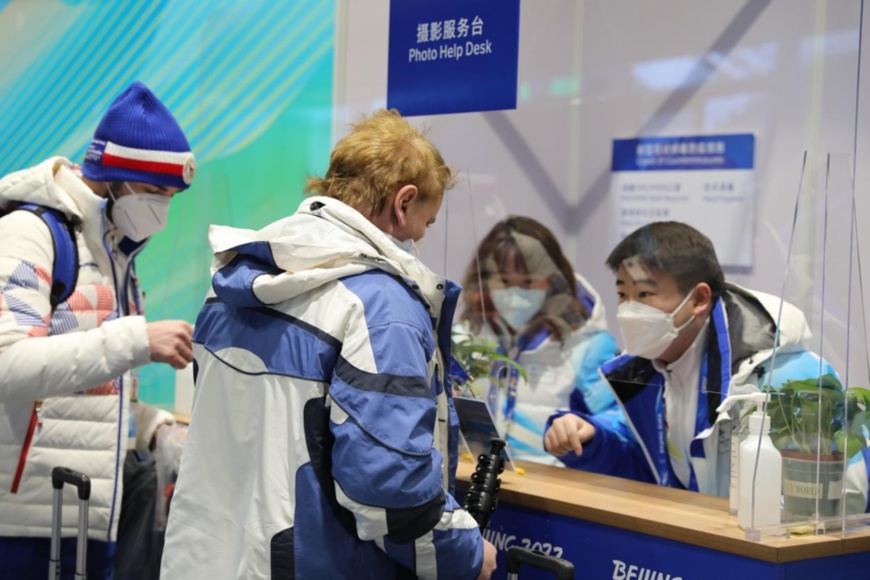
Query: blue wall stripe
215,60
68,83
239,36
75,74
24,92
112,74
242,125
241,91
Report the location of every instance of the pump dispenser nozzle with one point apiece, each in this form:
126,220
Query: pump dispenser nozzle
731,399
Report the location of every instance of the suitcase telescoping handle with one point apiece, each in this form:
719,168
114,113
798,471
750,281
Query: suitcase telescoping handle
60,476
517,556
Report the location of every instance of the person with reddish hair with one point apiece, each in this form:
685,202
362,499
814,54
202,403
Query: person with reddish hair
323,440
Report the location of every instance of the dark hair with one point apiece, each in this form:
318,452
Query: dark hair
674,249
561,313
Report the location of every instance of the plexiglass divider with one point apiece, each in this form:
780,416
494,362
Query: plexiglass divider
816,414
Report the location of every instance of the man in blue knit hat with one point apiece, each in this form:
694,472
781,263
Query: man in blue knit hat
72,327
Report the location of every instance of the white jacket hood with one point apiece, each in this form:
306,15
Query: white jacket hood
597,320
794,332
43,185
325,240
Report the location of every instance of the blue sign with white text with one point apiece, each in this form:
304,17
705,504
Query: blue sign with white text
601,552
706,181
689,153
453,56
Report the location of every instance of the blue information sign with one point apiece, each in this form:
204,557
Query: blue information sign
690,153
453,56
706,181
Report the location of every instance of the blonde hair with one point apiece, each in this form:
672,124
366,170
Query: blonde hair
380,155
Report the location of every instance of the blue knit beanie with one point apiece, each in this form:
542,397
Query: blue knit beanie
139,140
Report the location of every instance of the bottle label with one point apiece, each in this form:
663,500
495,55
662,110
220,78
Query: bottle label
810,490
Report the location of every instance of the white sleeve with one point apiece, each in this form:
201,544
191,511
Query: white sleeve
32,364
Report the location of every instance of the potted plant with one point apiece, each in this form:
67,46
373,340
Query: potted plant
481,362
816,425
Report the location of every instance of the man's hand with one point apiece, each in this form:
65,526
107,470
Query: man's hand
169,342
568,433
489,553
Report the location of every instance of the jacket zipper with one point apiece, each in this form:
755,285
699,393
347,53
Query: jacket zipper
35,420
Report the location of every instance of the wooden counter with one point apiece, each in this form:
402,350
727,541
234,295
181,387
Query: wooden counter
672,514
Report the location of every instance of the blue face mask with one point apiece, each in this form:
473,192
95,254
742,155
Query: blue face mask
518,305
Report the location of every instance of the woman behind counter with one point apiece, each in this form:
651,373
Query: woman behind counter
522,293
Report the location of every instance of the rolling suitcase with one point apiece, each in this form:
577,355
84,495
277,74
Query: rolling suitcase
60,476
517,556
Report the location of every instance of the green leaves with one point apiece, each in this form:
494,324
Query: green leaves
819,416
478,355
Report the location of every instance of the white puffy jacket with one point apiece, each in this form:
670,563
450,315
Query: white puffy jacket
75,361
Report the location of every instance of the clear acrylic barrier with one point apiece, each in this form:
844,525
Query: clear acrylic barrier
817,419
467,214
530,368
513,363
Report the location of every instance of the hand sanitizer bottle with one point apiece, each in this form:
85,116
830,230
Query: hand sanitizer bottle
768,480
760,504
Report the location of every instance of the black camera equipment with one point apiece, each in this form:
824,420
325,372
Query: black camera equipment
480,499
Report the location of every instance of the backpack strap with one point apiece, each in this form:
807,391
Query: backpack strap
65,268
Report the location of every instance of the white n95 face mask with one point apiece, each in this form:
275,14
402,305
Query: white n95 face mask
408,245
518,305
647,331
139,215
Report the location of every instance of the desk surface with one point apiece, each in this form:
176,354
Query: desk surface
674,514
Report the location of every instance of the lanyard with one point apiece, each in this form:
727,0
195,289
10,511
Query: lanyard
128,285
511,379
700,417
510,374
664,464
505,374
134,286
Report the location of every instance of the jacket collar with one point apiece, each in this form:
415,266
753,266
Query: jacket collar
325,240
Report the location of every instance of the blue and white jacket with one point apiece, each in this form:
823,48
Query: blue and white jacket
738,356
323,439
